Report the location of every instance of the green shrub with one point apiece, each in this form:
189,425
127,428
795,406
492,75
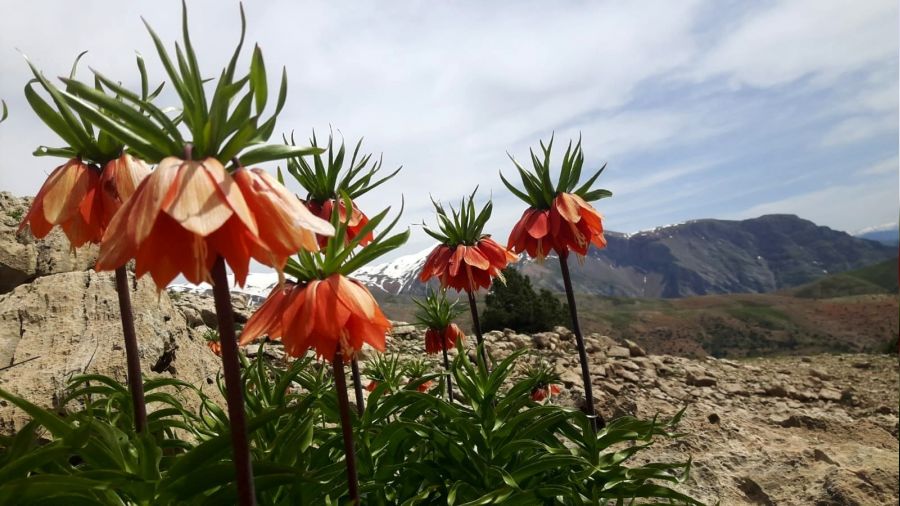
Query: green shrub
515,305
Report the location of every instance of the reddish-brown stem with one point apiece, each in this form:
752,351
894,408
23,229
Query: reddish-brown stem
447,368
357,387
477,326
132,355
243,468
340,383
597,421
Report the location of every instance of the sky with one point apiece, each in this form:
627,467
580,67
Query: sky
700,109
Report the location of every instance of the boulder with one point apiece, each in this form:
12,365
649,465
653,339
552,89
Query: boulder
545,340
636,351
618,352
66,324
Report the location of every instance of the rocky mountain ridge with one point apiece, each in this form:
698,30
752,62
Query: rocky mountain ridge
699,257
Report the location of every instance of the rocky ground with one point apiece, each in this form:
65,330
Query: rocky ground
792,430
817,430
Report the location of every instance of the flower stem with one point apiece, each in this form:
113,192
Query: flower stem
447,368
340,384
243,468
357,386
477,326
597,421
132,355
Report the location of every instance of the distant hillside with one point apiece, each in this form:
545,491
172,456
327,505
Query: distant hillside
730,325
874,279
700,257
889,235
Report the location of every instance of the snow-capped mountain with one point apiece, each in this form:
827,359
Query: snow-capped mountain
397,276
257,287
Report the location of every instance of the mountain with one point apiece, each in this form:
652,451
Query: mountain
257,287
888,234
699,257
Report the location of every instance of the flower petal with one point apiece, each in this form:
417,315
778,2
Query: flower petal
197,204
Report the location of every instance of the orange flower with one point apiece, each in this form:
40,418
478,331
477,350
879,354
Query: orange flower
288,225
465,267
531,234
541,393
68,198
449,335
372,386
186,214
571,224
215,347
424,387
118,182
336,313
358,220
575,224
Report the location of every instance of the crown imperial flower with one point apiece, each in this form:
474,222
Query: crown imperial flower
559,218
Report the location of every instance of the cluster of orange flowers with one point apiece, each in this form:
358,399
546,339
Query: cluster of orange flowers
355,222
82,199
327,315
437,340
571,224
186,214
468,268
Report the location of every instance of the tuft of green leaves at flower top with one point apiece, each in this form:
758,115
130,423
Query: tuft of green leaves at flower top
466,258
83,138
4,112
435,310
223,125
463,226
559,217
539,191
327,179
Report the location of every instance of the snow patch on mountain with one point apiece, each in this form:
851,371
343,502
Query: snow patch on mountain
394,276
257,287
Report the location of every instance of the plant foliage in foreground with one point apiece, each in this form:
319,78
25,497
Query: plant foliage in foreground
493,445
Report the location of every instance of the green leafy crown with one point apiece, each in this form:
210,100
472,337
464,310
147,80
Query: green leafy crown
539,190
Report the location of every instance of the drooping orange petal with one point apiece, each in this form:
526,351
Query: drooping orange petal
146,203
435,263
233,242
197,203
118,182
457,260
538,224
567,207
475,258
170,250
354,296
267,319
289,225
66,191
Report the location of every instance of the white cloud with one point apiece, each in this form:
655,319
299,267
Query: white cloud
859,128
887,166
790,40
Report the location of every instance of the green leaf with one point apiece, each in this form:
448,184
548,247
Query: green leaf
258,79
275,152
